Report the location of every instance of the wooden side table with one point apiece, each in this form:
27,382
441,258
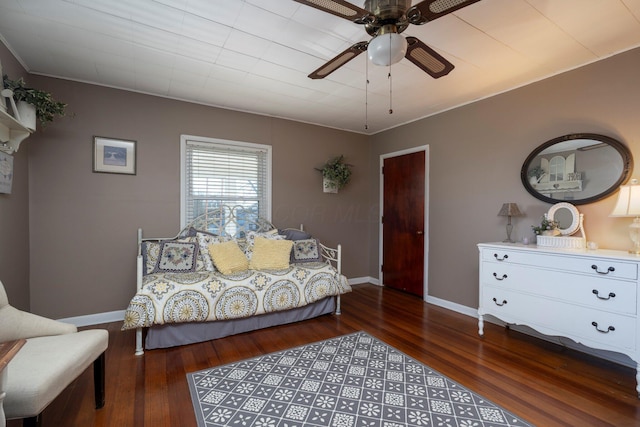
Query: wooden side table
7,351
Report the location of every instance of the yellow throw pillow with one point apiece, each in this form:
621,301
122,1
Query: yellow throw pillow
270,254
228,257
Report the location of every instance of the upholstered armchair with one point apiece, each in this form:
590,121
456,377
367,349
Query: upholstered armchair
54,355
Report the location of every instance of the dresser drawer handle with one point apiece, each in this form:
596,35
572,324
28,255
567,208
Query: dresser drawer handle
504,301
611,295
609,270
504,276
500,259
609,329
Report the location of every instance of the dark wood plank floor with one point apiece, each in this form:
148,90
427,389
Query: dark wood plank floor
546,384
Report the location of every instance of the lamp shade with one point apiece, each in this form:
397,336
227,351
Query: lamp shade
387,49
628,204
509,209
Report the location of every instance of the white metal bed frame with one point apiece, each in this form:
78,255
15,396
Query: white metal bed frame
235,222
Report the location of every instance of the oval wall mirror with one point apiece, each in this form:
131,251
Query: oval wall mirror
578,168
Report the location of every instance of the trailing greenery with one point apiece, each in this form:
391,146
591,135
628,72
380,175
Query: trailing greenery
337,171
46,107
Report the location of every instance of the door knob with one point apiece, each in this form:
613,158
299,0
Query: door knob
419,232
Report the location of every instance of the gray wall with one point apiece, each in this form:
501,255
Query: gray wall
476,152
14,214
82,225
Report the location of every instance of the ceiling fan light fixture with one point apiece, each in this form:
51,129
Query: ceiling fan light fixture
387,49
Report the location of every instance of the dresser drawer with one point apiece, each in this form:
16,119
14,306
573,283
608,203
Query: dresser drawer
593,266
598,292
592,327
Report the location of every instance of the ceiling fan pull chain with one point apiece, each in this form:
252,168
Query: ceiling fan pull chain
390,92
366,95
389,77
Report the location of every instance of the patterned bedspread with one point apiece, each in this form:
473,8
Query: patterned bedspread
203,296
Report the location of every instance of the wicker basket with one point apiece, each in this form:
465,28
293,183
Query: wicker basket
567,242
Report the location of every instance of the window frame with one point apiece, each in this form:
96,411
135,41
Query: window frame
204,141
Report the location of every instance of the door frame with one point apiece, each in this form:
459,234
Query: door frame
420,148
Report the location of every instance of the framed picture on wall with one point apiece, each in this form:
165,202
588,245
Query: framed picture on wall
112,155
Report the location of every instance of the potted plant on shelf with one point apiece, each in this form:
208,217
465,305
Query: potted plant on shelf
32,103
335,174
535,174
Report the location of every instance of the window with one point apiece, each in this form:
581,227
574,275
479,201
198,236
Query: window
556,168
217,172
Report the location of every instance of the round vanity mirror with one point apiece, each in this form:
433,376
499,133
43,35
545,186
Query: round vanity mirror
567,216
577,168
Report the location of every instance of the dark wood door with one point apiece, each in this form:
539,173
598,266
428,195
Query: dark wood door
403,222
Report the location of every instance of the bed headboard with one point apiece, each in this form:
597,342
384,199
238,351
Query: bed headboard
232,221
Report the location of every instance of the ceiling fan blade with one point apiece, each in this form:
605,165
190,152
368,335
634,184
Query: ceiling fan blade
428,10
339,61
427,59
343,9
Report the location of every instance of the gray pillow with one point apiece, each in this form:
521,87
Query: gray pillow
294,234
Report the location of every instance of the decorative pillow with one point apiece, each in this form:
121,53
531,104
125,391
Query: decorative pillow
307,250
150,252
205,240
200,264
228,258
251,236
294,234
269,254
177,257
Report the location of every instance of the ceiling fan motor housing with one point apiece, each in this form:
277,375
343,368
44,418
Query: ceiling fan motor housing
387,9
387,12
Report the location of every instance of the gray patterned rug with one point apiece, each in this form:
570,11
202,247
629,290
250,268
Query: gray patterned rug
349,381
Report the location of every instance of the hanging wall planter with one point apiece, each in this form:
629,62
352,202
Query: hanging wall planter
27,113
335,175
329,185
46,108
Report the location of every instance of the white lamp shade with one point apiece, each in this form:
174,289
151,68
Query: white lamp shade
387,49
628,203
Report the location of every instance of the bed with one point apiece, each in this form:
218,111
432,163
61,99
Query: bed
226,273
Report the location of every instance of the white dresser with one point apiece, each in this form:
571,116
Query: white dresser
588,296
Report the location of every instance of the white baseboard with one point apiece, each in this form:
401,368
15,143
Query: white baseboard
619,358
361,280
95,319
459,308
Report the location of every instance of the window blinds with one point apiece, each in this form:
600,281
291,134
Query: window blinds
224,173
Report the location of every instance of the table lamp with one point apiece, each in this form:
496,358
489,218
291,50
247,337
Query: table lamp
509,210
628,205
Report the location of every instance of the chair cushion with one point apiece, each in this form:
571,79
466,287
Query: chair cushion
45,366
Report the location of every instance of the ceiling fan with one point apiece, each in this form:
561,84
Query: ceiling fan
384,20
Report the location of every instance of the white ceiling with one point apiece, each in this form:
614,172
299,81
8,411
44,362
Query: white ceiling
255,55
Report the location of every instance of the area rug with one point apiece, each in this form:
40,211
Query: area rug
349,381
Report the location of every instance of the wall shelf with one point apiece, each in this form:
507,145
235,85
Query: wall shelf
558,186
12,133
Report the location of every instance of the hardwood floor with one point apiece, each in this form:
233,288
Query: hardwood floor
546,384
